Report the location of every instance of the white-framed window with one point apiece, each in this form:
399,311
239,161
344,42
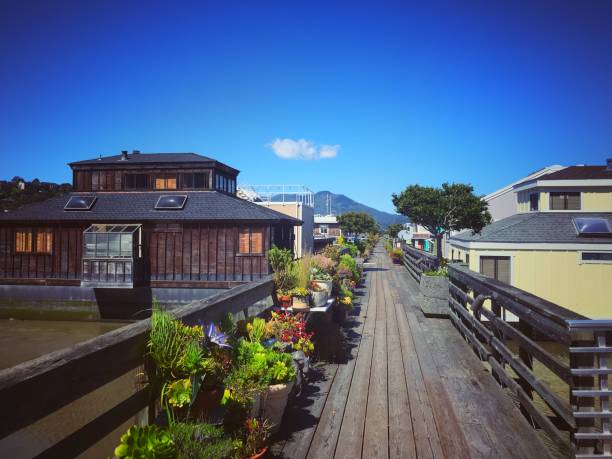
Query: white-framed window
595,257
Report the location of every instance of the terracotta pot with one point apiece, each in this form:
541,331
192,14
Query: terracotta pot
300,303
260,454
284,301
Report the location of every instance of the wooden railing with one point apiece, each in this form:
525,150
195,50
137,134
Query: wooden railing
417,261
509,329
40,387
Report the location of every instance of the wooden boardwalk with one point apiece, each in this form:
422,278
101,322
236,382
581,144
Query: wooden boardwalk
411,388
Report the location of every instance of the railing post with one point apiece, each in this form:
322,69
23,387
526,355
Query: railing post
527,359
590,351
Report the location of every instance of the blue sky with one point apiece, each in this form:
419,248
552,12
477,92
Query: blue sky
401,92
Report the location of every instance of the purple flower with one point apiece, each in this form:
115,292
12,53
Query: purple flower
216,337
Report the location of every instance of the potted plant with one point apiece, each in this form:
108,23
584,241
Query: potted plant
300,299
318,295
256,432
396,255
145,442
322,279
195,440
283,299
285,272
269,372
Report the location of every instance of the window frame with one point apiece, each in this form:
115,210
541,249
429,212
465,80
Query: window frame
251,230
565,195
497,257
27,232
165,177
582,261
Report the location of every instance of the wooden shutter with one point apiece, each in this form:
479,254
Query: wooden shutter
243,244
44,241
257,241
23,241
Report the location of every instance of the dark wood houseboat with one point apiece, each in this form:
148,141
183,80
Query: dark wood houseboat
161,221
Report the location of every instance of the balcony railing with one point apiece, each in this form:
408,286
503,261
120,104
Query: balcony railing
486,311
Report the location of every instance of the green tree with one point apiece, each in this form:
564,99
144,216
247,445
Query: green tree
358,223
393,229
452,207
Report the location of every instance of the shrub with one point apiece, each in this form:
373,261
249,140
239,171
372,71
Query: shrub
303,272
324,263
332,252
195,441
442,272
348,262
281,262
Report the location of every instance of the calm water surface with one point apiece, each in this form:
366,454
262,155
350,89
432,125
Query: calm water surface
22,340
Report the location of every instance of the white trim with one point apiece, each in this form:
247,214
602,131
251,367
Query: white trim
536,174
570,183
531,246
593,262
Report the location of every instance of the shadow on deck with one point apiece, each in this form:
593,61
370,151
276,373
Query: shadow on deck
411,387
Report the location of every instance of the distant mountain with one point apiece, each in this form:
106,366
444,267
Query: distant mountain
341,204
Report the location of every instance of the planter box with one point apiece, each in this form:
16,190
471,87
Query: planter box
300,303
434,287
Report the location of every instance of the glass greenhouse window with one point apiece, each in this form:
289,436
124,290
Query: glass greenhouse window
112,241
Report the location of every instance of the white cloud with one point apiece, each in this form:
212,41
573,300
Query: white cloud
302,149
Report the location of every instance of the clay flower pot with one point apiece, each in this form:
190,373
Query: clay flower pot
260,454
284,301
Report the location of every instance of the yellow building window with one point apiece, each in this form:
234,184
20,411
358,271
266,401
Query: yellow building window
23,241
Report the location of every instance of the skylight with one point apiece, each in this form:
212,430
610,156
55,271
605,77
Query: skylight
592,226
171,202
80,203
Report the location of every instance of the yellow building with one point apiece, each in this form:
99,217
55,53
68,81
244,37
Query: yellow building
559,244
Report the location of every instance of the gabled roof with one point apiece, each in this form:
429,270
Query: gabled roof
151,159
140,207
537,227
533,175
580,173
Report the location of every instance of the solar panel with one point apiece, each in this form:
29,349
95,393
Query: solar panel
171,202
592,225
80,203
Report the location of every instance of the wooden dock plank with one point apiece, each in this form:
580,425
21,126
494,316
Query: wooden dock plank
427,442
401,435
376,434
350,439
325,438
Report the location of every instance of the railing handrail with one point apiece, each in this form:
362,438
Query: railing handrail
36,388
588,343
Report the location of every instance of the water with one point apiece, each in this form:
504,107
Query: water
22,340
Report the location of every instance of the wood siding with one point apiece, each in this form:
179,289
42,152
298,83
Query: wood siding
202,252
64,261
190,255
